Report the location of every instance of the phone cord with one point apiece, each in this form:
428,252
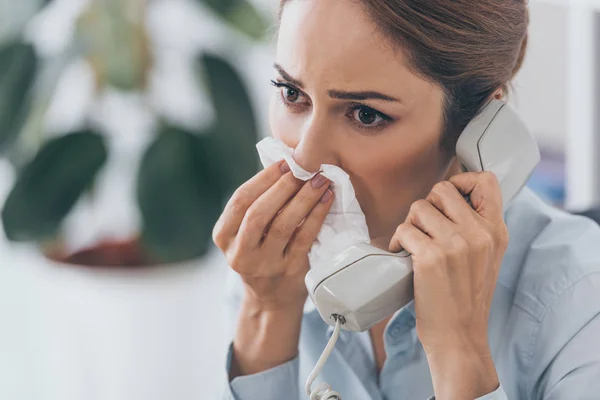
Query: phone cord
324,390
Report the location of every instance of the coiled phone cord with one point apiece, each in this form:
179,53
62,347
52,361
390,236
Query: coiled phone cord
324,390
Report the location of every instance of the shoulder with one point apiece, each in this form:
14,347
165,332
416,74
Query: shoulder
550,253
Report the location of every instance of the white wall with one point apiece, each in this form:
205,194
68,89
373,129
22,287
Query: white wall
540,87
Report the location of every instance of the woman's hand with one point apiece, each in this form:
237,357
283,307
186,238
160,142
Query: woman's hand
457,251
266,232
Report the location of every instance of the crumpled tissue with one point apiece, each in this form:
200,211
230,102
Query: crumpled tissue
345,224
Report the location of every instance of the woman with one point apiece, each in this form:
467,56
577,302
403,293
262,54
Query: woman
382,89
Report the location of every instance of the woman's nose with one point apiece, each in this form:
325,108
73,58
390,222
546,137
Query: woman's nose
314,149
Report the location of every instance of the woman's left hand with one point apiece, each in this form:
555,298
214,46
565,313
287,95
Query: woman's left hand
457,250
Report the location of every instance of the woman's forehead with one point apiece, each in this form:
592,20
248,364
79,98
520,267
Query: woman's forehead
334,43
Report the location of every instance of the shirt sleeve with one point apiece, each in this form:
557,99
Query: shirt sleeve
497,394
277,383
579,366
567,362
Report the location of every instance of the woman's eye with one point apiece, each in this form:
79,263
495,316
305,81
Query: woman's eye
367,116
290,94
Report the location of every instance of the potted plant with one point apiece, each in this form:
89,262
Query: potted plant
184,175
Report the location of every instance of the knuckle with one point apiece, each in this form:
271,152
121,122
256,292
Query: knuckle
402,230
281,229
442,188
217,235
273,173
289,183
304,238
502,237
304,198
489,178
458,246
438,254
437,197
239,202
435,256
234,260
505,235
418,206
256,219
483,241
434,195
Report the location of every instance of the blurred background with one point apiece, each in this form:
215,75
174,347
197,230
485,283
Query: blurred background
125,125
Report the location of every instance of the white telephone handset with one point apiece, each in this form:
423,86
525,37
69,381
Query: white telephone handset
364,284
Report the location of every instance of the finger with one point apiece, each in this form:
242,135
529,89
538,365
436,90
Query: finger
285,224
409,238
230,220
429,220
307,232
449,201
266,207
484,190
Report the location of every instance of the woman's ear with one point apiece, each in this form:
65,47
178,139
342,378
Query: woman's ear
499,94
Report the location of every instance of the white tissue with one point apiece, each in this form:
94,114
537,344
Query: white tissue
345,224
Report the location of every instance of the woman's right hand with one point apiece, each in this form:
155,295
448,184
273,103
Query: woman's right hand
267,230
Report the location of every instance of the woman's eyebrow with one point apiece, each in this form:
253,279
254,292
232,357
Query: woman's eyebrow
367,95
339,94
287,76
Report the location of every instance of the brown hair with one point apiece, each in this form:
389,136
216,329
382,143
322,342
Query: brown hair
470,48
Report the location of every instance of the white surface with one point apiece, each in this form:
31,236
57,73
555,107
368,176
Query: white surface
69,333
595,4
583,145
540,94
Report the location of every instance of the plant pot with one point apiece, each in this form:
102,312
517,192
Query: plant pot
107,254
112,333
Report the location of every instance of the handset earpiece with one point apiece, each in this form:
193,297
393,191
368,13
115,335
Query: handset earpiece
498,140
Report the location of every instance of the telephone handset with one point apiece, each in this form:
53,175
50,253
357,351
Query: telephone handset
364,284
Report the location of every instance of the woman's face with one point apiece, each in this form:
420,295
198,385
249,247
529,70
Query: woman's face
345,97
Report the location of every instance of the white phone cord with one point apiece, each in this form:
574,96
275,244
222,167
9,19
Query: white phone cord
324,390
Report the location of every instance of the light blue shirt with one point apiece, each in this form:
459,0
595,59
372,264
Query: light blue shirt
544,326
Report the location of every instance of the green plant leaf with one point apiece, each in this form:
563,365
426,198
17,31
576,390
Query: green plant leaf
241,14
179,196
18,67
48,187
235,133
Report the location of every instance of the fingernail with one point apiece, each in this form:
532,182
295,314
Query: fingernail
326,196
284,167
318,181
